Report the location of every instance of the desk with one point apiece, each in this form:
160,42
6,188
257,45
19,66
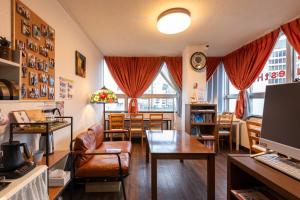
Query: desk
146,120
244,172
172,144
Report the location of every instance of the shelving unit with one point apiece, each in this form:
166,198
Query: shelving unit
11,71
55,158
243,172
200,119
46,129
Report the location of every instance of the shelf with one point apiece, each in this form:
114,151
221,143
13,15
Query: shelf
54,192
203,111
8,63
203,124
39,130
54,158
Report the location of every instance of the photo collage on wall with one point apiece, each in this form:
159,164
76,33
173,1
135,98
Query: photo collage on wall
36,41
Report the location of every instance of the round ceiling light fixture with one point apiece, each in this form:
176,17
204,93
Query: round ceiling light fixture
174,20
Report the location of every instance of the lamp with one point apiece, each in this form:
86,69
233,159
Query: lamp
174,20
104,96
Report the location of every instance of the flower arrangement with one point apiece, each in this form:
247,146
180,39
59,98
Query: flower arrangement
104,95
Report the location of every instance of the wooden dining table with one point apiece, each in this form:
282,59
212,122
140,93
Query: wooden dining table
173,144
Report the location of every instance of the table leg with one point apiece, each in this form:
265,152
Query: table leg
153,178
147,151
237,136
211,177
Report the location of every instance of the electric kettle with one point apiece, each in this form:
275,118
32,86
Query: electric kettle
12,155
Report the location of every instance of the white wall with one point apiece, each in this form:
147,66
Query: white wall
69,37
190,76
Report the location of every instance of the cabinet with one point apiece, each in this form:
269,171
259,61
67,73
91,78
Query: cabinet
243,172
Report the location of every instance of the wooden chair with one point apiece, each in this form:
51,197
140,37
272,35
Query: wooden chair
224,128
254,130
156,121
136,125
116,125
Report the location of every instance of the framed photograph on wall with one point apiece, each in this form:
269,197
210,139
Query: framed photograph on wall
80,64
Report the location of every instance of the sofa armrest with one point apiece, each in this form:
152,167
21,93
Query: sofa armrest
98,152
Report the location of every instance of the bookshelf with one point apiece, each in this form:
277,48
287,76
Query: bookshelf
244,174
200,119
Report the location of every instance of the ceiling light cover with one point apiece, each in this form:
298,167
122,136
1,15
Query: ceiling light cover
174,20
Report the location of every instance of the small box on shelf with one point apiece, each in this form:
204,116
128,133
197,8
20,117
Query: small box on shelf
58,178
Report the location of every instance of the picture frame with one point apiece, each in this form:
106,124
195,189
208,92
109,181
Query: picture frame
32,45
36,32
51,80
44,89
34,93
51,93
23,91
80,64
51,63
23,11
44,78
31,61
24,72
33,79
21,116
25,28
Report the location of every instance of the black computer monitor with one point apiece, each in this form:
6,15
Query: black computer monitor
281,119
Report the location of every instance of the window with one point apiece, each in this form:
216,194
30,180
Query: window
274,71
160,96
277,70
296,65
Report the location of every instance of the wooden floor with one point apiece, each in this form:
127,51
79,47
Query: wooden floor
176,181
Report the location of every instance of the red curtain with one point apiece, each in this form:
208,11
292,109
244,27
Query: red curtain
174,65
292,32
211,65
245,64
133,75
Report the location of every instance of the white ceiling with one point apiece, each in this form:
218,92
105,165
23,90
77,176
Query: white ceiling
128,27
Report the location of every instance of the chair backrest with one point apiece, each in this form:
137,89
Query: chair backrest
116,121
254,130
225,121
156,121
136,120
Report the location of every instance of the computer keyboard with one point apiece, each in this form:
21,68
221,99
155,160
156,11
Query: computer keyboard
282,164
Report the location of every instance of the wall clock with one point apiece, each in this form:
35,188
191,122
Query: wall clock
198,61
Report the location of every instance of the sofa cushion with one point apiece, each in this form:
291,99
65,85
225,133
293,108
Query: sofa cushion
83,142
104,166
99,133
125,146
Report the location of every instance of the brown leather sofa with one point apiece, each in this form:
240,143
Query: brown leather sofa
92,162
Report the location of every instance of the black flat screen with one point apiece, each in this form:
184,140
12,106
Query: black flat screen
281,116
